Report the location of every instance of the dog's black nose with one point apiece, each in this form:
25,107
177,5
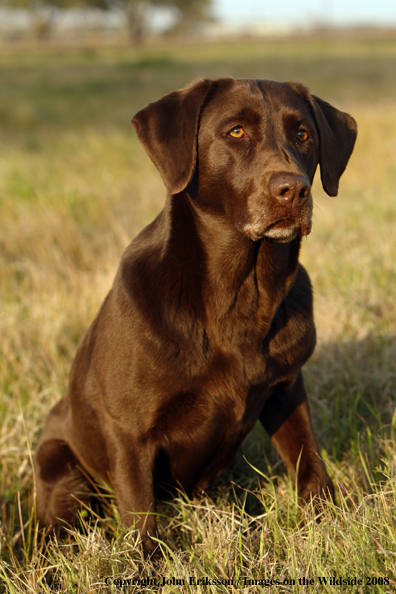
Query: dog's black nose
288,188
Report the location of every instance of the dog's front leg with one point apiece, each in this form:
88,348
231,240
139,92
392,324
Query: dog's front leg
133,479
287,419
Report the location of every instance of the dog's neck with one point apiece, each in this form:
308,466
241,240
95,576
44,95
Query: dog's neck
229,268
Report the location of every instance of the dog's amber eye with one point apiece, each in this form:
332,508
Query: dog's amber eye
302,135
237,132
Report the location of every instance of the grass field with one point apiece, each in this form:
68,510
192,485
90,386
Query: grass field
75,188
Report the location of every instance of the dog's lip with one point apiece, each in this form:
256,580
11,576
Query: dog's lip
282,232
287,238
277,222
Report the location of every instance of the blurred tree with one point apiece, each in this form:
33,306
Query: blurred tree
136,11
136,15
191,12
42,13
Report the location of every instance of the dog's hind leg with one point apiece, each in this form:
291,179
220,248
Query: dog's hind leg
61,486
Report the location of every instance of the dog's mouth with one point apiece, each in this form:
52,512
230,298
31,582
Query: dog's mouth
283,231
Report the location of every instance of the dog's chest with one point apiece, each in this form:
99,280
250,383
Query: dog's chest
218,406
201,432
226,392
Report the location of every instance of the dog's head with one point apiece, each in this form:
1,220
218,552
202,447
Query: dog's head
248,150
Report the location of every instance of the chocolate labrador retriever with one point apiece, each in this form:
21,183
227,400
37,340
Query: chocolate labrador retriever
209,320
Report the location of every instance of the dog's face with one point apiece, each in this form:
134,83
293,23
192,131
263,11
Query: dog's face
261,141
247,150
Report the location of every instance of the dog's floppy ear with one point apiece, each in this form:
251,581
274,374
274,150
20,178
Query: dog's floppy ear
337,131
167,130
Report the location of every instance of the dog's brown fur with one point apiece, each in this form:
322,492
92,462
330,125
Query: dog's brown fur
209,320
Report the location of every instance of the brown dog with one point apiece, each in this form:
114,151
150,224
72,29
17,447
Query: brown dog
210,316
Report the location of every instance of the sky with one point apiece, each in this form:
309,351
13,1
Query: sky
337,12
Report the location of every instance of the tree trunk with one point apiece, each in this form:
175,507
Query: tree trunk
136,17
42,22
